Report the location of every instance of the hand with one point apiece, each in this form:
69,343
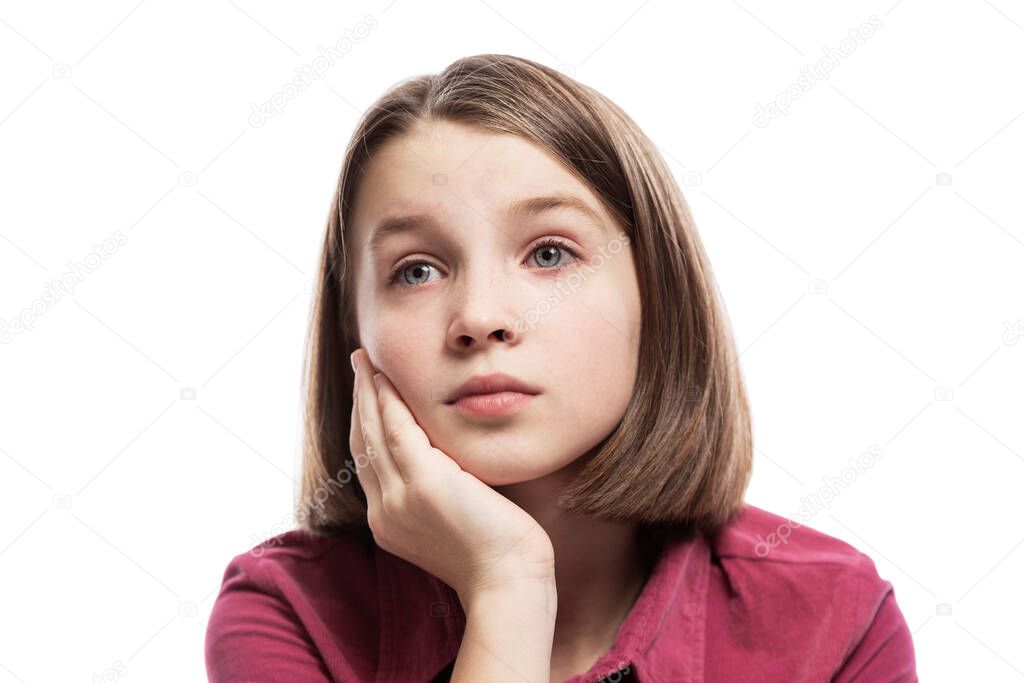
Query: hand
423,507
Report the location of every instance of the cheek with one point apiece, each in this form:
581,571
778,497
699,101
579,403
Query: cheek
598,344
598,328
596,369
404,348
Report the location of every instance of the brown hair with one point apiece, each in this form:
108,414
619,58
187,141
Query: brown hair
681,456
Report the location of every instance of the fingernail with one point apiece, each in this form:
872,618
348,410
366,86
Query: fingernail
377,381
352,358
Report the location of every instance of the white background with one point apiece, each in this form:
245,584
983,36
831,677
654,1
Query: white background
873,304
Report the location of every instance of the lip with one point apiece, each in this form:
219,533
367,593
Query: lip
492,395
494,383
496,404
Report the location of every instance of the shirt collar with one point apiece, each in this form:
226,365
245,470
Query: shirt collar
661,639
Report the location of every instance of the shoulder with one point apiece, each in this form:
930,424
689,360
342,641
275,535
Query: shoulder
785,582
308,571
299,555
759,535
762,548
295,606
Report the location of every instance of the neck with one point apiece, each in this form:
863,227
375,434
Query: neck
600,566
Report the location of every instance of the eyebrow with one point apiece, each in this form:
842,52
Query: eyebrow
521,208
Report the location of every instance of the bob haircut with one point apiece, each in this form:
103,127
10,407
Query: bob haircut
681,455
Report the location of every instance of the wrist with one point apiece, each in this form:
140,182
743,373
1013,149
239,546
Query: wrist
537,597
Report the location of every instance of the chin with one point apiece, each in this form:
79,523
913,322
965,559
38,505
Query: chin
499,457
495,470
496,467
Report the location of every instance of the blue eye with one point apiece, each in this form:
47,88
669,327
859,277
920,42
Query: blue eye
414,266
549,245
552,246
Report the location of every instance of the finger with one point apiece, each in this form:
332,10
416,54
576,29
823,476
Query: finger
405,439
388,473
364,471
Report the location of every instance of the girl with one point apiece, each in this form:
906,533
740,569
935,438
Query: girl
540,473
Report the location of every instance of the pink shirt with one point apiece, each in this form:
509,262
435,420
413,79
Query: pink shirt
738,606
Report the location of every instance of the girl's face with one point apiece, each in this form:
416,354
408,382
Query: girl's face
471,270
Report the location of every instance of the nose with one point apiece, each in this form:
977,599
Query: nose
481,315
483,332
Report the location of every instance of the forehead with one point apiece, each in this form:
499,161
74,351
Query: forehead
449,169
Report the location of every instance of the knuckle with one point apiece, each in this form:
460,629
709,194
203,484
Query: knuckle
391,502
